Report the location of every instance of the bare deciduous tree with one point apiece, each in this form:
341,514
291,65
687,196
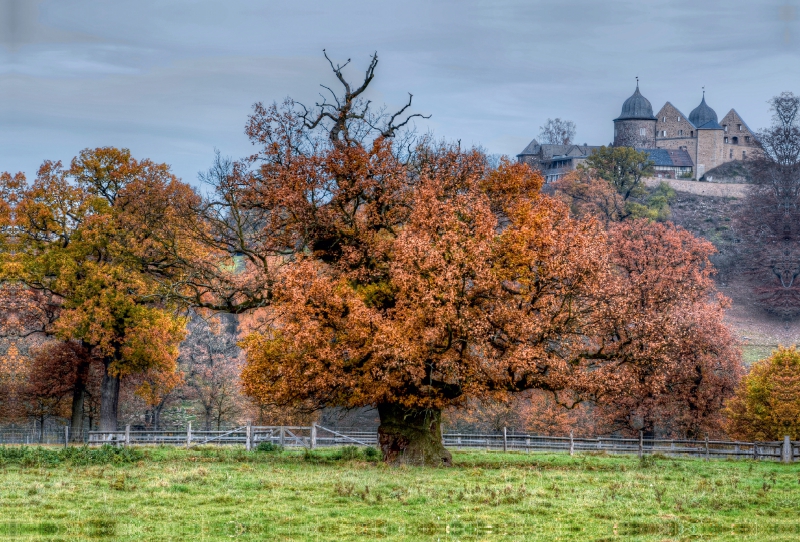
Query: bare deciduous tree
557,132
769,223
212,362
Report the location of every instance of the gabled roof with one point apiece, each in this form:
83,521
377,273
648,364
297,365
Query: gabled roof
684,117
546,150
680,158
741,119
581,150
669,157
532,148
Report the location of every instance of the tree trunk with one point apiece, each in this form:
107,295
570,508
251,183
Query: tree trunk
157,416
78,398
412,437
109,401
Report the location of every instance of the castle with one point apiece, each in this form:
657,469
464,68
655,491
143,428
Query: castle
679,146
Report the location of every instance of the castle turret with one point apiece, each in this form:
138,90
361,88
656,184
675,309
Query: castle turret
636,125
710,137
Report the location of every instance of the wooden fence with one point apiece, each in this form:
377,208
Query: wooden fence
317,436
250,436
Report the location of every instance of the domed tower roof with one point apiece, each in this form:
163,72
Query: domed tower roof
703,117
636,107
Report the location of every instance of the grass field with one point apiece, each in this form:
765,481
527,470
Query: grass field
229,494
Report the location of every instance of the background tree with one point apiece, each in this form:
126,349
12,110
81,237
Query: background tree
212,363
769,217
99,236
767,403
610,185
672,328
58,379
557,132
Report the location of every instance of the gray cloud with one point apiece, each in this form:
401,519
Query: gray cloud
174,79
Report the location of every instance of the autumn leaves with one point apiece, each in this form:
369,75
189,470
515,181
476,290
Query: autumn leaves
378,268
91,240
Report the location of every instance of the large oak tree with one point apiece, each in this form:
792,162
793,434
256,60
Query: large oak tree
417,277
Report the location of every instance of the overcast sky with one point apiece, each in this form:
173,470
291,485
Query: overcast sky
174,79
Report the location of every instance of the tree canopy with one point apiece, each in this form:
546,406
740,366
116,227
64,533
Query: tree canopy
767,403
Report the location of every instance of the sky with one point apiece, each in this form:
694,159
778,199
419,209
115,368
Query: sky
174,80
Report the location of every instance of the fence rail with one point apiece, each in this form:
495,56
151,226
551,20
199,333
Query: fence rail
317,436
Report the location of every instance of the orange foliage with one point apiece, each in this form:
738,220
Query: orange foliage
767,403
102,238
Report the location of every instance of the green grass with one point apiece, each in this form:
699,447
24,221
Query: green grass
752,353
216,494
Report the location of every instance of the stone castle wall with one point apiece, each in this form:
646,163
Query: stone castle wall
745,146
710,151
628,133
673,122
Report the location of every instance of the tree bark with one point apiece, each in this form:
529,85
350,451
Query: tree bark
157,416
109,400
78,398
412,437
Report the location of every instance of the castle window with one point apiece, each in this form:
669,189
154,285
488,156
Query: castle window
740,127
731,154
691,133
735,141
680,132
725,126
744,155
664,120
642,131
726,140
747,139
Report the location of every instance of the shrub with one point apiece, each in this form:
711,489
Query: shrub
269,447
38,456
348,453
372,454
310,456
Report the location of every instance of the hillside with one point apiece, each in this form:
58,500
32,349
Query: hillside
711,217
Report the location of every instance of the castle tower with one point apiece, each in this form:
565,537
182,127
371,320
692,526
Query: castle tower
710,138
636,125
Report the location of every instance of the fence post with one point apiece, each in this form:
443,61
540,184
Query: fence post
189,434
641,443
755,451
127,435
786,452
505,439
66,436
707,453
283,437
313,435
571,444
248,437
